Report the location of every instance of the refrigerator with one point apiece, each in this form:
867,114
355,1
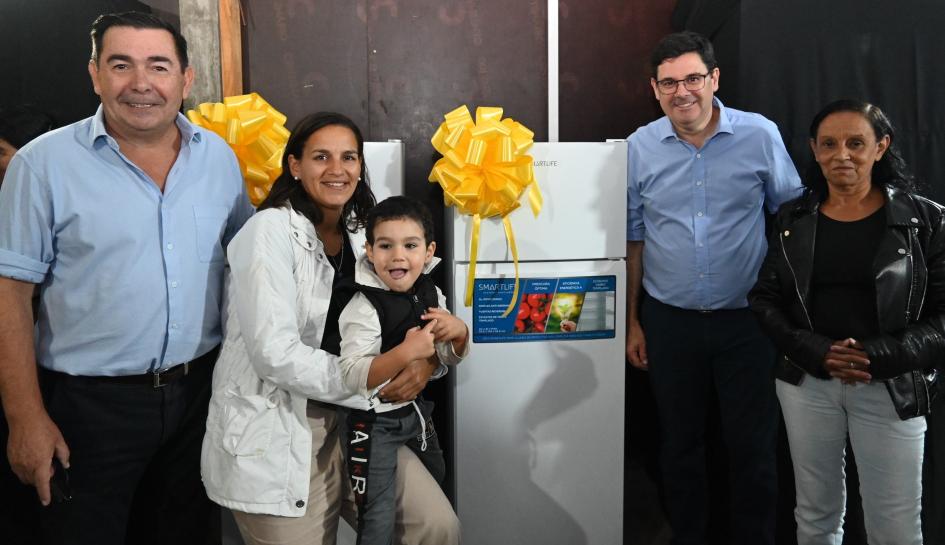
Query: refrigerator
539,402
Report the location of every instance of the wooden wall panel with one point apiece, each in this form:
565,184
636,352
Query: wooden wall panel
307,55
426,57
396,66
604,51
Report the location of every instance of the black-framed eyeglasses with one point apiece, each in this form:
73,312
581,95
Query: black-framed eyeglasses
692,82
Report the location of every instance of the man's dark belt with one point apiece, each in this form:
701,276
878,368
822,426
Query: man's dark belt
155,379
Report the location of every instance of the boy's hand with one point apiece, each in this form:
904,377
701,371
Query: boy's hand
448,327
418,343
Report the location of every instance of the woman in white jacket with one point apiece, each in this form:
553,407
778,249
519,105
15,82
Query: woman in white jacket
272,452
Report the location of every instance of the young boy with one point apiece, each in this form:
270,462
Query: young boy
397,315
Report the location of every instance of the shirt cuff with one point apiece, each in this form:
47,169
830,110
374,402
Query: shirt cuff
20,267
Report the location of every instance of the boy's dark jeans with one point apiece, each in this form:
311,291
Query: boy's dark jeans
371,459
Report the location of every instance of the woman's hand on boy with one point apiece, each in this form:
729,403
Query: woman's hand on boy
408,384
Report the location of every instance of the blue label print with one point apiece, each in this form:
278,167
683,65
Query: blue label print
572,308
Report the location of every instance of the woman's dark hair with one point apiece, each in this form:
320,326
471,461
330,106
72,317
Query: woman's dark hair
288,191
139,20
680,43
889,171
20,124
396,208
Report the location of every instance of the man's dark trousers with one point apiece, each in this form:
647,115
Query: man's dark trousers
690,352
135,460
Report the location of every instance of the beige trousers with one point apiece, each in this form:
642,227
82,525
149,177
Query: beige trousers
424,515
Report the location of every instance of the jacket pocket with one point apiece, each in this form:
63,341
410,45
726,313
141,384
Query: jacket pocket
912,393
248,422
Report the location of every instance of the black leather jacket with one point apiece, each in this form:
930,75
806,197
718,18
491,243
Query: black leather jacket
909,269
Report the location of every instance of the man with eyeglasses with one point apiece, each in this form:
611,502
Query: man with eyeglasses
699,179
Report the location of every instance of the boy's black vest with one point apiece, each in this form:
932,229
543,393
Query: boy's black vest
397,312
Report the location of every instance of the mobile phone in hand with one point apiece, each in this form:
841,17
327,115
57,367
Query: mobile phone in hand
59,486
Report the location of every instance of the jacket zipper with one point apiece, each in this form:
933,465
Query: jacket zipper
417,311
797,288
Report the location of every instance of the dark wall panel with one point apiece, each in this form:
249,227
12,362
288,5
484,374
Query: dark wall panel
396,66
306,56
44,51
426,57
604,51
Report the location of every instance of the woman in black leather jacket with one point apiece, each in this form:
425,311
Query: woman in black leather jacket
852,292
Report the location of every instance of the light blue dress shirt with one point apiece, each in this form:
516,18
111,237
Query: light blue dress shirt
700,212
131,278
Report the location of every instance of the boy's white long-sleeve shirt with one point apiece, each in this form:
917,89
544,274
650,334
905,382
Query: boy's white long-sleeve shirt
360,330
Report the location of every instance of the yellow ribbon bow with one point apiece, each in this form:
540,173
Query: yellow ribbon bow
256,132
483,173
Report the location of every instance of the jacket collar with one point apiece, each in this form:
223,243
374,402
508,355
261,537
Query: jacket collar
365,274
900,208
303,232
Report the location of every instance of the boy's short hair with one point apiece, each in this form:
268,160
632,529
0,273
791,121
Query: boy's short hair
395,208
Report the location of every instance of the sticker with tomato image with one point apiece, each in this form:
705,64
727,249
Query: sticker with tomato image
533,310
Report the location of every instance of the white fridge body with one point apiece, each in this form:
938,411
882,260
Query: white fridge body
385,166
539,402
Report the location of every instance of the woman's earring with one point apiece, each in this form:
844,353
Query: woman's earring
296,178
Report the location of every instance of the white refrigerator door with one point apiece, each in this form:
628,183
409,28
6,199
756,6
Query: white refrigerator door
539,426
385,165
584,214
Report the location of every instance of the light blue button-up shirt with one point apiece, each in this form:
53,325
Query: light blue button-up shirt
700,212
131,278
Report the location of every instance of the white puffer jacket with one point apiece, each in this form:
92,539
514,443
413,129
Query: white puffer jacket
257,449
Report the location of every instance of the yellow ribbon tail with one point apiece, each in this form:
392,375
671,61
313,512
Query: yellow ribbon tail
473,254
535,200
510,237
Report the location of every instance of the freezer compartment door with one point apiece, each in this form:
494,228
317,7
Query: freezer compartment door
539,425
584,216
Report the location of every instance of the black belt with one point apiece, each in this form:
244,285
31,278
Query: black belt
155,379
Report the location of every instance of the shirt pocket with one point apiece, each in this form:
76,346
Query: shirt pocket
210,221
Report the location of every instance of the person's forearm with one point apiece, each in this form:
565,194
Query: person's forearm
634,280
386,365
19,384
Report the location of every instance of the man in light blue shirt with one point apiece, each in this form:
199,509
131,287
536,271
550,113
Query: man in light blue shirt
699,180
121,219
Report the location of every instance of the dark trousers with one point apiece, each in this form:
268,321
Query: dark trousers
134,460
689,354
371,459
